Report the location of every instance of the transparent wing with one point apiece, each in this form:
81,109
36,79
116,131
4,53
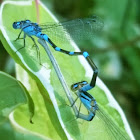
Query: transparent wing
114,131
77,29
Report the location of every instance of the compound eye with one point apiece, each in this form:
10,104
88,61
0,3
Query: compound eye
74,87
84,82
18,23
27,21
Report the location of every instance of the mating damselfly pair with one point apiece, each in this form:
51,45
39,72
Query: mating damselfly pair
74,29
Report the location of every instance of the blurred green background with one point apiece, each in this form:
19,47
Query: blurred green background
115,51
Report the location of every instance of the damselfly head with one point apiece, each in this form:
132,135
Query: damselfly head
77,86
17,25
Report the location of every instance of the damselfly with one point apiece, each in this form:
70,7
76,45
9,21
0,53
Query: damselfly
77,29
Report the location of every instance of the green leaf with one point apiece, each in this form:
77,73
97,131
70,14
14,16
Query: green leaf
7,132
53,118
13,94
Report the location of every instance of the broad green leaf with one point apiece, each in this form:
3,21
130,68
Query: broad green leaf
13,94
53,118
7,132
